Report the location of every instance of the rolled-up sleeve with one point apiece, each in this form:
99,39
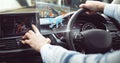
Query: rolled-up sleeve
112,10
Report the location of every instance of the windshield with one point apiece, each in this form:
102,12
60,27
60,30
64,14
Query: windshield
50,8
54,8
10,5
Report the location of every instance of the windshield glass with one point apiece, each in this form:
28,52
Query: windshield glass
58,6
54,8
10,5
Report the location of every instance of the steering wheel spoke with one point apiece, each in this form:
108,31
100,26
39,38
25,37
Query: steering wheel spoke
93,40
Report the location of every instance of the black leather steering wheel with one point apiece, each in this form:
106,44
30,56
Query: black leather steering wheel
94,40
69,26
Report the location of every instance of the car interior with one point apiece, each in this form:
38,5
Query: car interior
62,21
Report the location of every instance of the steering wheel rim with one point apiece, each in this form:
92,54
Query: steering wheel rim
70,22
95,32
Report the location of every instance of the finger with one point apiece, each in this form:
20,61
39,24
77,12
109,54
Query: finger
23,42
26,42
88,6
35,29
31,32
27,36
24,37
48,40
81,6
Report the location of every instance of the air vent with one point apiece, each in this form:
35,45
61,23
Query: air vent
8,45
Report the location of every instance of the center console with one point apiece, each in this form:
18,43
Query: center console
12,28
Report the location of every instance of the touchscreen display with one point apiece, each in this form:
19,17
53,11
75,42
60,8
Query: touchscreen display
16,24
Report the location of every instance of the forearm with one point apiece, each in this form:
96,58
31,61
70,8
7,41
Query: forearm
57,54
112,10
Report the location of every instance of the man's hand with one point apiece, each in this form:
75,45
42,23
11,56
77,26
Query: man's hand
93,6
35,39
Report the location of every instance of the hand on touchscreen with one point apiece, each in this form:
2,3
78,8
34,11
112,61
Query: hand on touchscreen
35,39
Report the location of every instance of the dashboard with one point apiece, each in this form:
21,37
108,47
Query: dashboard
84,22
14,25
12,28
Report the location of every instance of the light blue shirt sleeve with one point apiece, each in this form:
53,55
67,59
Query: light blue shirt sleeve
112,10
58,54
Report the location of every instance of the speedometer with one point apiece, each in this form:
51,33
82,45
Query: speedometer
87,26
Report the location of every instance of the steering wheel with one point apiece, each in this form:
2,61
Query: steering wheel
93,40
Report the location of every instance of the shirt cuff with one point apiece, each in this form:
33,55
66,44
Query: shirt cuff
44,47
109,9
44,51
112,10
50,52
